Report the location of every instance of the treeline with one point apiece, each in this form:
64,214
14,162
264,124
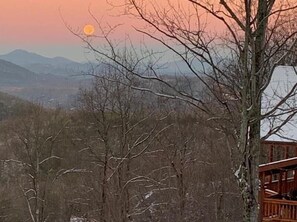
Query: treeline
121,155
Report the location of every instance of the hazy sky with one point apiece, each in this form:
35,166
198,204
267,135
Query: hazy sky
36,25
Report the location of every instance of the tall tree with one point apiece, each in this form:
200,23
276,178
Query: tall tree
123,129
234,65
36,142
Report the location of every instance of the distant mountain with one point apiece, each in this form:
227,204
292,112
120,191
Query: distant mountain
179,67
13,74
49,90
61,66
22,57
44,65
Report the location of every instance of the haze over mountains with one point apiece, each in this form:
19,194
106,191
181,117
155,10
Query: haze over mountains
12,74
54,81
49,81
43,65
65,67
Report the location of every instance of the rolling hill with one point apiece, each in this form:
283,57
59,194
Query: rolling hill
49,90
59,66
14,74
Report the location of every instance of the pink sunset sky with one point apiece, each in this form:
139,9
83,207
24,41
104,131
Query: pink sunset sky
36,25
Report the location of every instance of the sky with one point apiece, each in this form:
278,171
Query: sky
37,25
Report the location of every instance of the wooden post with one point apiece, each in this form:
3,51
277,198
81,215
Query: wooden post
295,179
271,159
280,184
286,172
295,171
262,194
271,153
286,182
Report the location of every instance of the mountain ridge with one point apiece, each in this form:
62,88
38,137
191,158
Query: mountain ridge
40,64
62,66
23,57
48,89
12,73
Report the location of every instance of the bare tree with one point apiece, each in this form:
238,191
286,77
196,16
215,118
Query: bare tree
121,128
238,63
34,139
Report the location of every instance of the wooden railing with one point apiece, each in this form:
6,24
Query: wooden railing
279,210
288,185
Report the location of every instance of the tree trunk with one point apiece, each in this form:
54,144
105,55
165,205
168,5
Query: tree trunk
247,176
253,73
249,181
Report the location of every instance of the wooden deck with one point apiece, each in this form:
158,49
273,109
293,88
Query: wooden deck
278,175
279,210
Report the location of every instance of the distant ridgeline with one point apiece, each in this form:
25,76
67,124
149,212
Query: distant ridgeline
43,65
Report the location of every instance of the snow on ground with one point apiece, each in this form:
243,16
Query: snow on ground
77,219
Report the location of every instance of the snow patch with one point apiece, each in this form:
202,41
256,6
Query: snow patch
148,194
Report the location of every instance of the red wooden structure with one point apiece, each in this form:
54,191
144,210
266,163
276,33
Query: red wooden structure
278,176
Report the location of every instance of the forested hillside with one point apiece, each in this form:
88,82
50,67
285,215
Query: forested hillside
10,106
121,155
47,89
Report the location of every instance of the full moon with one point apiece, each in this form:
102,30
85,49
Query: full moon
89,29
